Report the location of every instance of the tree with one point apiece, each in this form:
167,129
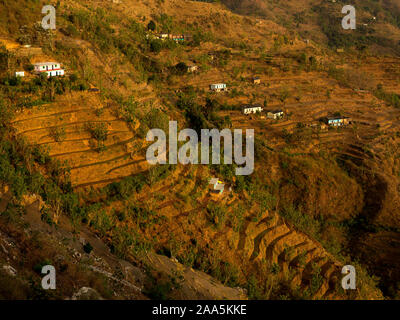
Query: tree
181,68
156,46
210,107
4,58
284,95
151,26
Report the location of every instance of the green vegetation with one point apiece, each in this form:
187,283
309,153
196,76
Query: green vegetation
201,117
98,131
58,133
391,99
216,214
87,248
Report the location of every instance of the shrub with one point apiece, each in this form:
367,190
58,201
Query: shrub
29,67
71,31
58,133
216,214
120,215
159,290
126,187
155,118
151,26
38,266
253,289
99,132
181,68
101,222
87,248
122,239
156,46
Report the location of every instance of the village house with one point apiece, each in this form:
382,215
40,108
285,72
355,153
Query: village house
338,121
20,74
256,80
192,68
177,38
212,55
218,87
151,36
249,109
52,69
163,36
217,187
275,114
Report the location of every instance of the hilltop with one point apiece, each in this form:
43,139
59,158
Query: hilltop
377,21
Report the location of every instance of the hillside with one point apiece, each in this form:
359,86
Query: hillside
74,169
377,21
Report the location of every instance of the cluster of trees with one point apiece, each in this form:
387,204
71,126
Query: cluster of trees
39,90
202,117
392,99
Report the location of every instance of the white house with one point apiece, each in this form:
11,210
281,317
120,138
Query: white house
275,114
192,68
20,74
218,87
217,186
256,80
163,36
52,69
338,121
248,109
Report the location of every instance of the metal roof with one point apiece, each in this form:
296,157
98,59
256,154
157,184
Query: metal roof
46,63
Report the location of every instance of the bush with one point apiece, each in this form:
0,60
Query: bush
159,290
126,187
155,118
253,289
71,31
216,214
12,81
151,26
29,67
87,248
101,222
98,131
122,239
392,99
156,46
181,68
58,133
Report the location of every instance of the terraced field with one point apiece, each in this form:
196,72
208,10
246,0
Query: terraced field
300,259
270,240
62,127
